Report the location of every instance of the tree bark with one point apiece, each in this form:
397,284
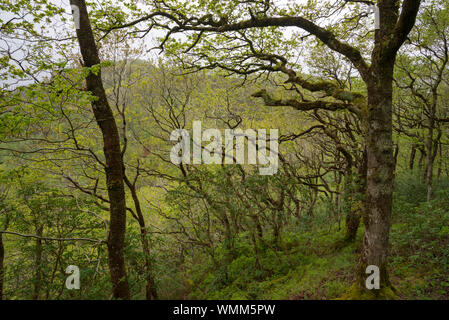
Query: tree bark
440,161
358,188
412,158
395,157
352,219
394,28
150,287
112,151
430,150
379,191
2,266
37,264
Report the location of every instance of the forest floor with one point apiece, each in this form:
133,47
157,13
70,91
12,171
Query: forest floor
311,267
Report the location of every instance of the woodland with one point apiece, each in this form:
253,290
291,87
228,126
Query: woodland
91,92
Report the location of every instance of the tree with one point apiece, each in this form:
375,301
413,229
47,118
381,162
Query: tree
46,230
112,151
238,37
5,221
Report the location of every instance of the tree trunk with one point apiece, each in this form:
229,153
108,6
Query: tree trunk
37,264
112,151
229,241
355,211
440,161
2,267
421,162
150,287
380,178
412,158
228,246
393,31
395,157
352,219
429,148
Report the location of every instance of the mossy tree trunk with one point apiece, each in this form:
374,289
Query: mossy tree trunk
412,158
37,283
432,143
356,190
352,219
379,190
113,155
393,31
150,287
2,266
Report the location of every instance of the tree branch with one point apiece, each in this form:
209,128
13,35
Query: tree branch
207,24
305,105
403,27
